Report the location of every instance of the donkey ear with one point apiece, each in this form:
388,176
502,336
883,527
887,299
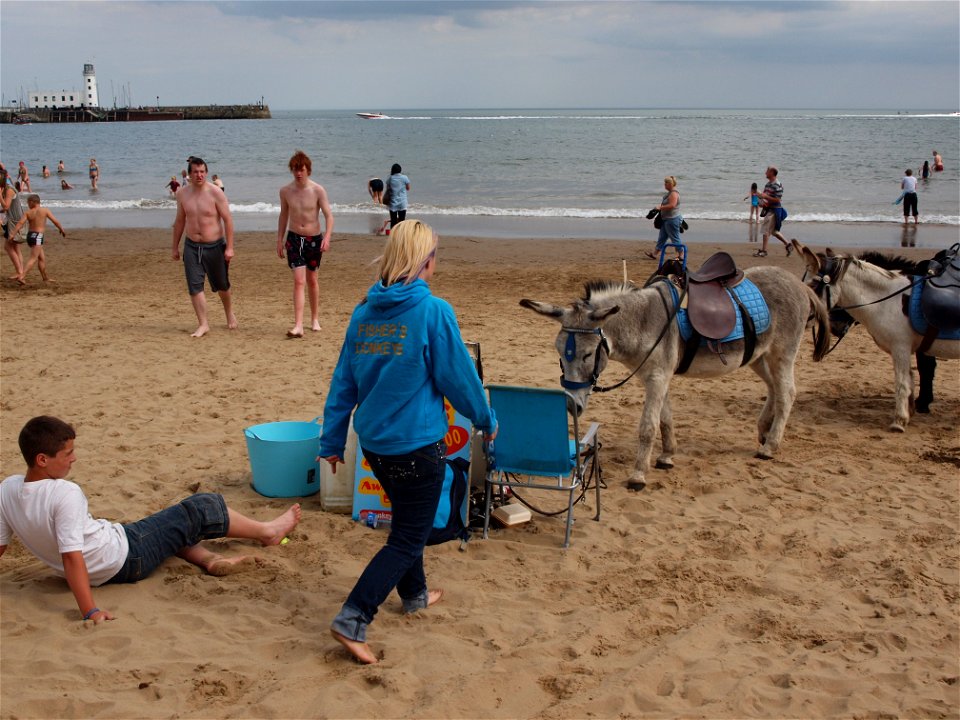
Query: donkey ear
604,313
808,255
551,311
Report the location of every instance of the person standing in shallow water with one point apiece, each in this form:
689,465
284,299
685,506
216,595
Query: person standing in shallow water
94,171
909,186
402,355
397,185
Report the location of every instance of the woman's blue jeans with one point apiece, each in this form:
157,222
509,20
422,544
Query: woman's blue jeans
413,483
669,232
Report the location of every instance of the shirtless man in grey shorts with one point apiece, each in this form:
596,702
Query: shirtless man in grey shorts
202,211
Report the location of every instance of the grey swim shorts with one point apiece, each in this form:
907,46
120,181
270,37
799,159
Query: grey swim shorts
205,260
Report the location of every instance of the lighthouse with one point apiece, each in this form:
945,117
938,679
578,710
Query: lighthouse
91,99
87,97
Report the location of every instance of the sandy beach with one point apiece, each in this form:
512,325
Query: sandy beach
824,583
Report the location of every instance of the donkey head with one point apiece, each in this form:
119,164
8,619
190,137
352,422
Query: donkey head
583,348
824,271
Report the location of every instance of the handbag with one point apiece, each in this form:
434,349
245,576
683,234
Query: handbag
387,197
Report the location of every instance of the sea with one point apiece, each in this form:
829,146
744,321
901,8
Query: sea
524,173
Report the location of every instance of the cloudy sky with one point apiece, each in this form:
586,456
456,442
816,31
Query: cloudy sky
394,54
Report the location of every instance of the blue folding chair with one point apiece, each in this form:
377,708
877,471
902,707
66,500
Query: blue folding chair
533,443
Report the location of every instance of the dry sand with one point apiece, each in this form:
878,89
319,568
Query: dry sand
821,584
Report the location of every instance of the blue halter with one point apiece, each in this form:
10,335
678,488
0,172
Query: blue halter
570,354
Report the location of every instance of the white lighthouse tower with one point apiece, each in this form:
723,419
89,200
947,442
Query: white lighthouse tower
91,98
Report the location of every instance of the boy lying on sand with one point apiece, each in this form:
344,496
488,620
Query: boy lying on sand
49,515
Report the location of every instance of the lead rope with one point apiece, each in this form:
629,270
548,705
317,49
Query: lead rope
671,314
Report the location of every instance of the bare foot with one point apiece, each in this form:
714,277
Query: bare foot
360,650
15,276
434,596
50,280
316,326
297,332
200,331
280,526
222,566
232,323
20,280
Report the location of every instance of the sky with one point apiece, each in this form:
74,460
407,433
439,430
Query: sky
398,54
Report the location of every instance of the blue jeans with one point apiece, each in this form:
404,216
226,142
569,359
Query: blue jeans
164,534
413,483
669,232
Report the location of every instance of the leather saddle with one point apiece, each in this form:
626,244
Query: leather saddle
710,306
712,309
940,301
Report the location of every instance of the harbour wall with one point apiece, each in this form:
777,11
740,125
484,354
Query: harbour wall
255,111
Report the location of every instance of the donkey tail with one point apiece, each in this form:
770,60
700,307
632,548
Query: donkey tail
820,317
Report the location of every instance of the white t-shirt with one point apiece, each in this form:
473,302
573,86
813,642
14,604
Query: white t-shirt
909,183
50,517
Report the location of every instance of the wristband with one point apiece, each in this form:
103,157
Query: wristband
93,612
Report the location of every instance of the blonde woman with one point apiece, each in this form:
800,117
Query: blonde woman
670,216
402,355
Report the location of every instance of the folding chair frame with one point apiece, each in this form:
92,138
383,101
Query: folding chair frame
587,445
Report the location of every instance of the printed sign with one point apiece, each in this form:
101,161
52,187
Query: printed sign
368,495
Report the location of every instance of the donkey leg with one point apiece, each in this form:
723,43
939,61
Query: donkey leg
781,392
927,367
655,388
766,413
667,439
902,389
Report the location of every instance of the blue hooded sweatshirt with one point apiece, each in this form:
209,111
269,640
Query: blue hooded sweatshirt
402,355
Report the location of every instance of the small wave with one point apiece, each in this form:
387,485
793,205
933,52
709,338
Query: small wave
141,204
367,208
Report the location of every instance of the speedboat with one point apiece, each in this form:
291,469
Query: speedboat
372,116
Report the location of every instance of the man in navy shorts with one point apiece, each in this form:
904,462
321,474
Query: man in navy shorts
299,235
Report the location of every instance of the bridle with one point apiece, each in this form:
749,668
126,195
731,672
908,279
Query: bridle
570,354
832,270
570,348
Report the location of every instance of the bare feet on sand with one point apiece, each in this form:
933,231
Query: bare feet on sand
360,650
232,323
297,332
280,526
222,566
200,331
316,326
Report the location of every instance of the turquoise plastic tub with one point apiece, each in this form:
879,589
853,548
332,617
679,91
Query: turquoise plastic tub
283,458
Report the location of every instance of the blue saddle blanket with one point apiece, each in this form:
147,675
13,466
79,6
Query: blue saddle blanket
918,321
749,294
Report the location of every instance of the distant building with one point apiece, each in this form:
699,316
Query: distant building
88,97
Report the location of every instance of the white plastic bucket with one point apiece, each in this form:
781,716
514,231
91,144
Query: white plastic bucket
336,489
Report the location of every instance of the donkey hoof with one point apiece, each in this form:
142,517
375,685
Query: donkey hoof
636,485
763,454
663,464
896,427
923,408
